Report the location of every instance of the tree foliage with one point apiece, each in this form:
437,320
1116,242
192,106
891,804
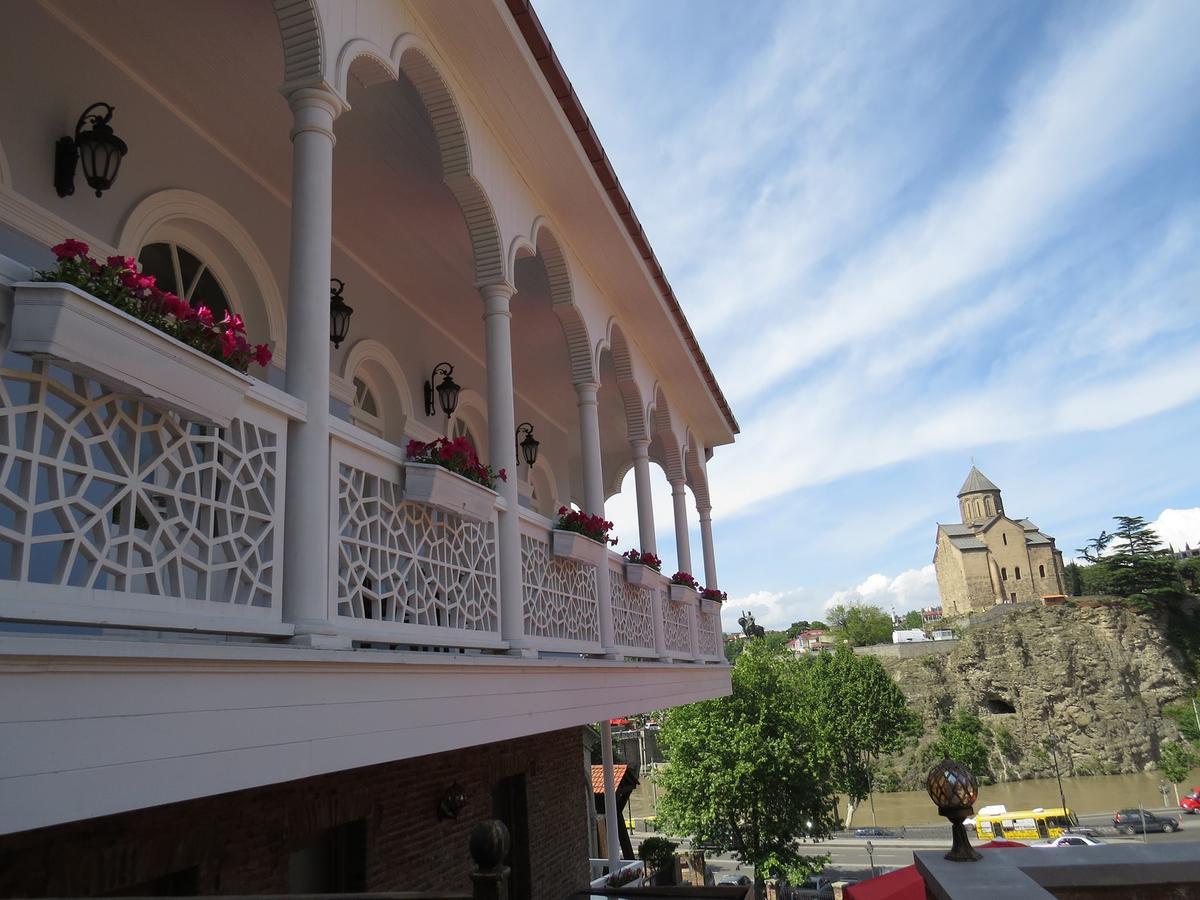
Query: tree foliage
751,771
1175,760
861,625
965,738
1130,562
913,619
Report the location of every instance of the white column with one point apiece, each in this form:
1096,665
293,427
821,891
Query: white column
645,500
593,496
306,536
502,426
610,796
706,543
682,544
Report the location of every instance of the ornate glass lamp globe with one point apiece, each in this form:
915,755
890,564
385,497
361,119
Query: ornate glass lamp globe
529,446
339,313
954,789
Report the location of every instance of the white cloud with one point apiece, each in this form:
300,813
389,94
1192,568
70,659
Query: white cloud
1178,527
774,610
911,589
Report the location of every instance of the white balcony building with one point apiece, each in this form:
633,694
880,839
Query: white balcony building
229,610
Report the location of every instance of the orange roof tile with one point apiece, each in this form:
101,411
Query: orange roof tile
598,777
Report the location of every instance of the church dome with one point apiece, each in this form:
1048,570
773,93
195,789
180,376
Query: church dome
976,483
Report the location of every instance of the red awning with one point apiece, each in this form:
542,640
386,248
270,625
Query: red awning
903,884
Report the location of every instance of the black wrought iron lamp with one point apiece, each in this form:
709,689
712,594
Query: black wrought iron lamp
452,802
447,390
98,150
529,446
339,313
954,789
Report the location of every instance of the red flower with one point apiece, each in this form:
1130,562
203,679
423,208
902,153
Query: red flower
262,355
228,343
234,323
204,314
70,248
125,263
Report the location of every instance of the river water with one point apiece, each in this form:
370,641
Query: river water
1085,794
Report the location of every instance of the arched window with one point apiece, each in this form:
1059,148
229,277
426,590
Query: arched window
461,429
1005,536
1018,569
366,408
178,270
1042,571
987,502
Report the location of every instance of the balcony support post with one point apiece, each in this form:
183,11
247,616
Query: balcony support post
586,397
497,318
645,500
683,548
610,797
706,543
306,524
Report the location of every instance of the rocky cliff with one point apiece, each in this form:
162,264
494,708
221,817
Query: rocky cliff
1096,675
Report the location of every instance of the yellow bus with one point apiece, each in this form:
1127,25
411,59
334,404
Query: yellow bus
1027,824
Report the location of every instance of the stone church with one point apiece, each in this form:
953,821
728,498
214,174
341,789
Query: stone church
988,558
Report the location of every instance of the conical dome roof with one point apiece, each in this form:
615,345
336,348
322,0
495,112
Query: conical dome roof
976,481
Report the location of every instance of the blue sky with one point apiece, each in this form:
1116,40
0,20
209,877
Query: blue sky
908,235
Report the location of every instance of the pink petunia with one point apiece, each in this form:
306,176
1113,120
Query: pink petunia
70,248
262,355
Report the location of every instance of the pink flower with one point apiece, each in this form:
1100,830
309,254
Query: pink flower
137,283
228,343
262,355
70,248
204,314
502,475
233,322
127,263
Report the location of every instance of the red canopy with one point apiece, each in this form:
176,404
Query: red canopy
906,883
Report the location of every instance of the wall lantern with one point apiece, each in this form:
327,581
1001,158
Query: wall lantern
954,789
339,313
99,150
529,446
447,390
452,802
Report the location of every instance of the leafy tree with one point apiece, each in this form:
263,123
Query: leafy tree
1131,563
793,630
734,648
1175,760
912,619
1189,571
965,738
750,771
1183,714
816,625
861,625
862,713
1074,579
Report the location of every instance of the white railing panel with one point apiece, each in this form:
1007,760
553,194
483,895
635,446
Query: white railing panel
405,572
708,631
677,626
633,612
561,601
114,511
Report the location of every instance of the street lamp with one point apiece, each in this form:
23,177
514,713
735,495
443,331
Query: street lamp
1052,741
871,857
953,788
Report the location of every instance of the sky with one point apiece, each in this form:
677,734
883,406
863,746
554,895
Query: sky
910,236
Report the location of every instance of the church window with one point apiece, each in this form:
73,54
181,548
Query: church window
1004,573
987,502
1005,536
1042,571
1012,598
1018,573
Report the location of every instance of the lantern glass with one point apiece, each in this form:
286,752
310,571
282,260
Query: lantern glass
951,785
447,393
529,449
100,155
339,313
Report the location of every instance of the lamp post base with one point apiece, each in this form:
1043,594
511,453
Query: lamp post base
960,847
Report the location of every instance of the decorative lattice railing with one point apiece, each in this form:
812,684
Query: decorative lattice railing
632,611
405,572
560,596
708,634
677,626
114,511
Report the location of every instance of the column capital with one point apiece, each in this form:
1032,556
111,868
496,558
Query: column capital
678,485
704,511
640,446
586,391
496,297
314,108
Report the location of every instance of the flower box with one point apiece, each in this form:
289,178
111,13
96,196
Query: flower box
573,545
710,607
62,323
681,593
438,486
642,576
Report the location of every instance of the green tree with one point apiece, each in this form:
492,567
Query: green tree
912,619
1130,562
733,648
816,625
1074,579
1189,571
1175,760
862,713
861,625
795,628
965,738
750,771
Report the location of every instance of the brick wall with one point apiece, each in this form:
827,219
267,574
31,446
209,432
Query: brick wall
239,843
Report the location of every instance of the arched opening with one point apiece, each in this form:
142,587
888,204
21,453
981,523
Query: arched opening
997,705
181,271
382,401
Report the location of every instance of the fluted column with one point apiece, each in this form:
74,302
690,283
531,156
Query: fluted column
502,419
306,579
586,398
645,500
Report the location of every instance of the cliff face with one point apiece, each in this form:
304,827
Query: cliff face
1100,675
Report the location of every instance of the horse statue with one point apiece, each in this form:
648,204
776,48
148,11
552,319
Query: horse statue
749,627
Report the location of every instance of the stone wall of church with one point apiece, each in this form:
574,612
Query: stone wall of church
1006,543
1042,559
952,585
981,592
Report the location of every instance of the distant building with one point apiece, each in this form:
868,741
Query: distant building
988,558
1188,552
931,614
812,641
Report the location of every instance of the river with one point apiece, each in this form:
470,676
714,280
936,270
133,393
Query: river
1085,794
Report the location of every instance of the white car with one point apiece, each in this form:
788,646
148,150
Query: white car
1072,840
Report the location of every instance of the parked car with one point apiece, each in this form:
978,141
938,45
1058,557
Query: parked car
815,886
1072,840
873,833
738,878
1135,821
1191,802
